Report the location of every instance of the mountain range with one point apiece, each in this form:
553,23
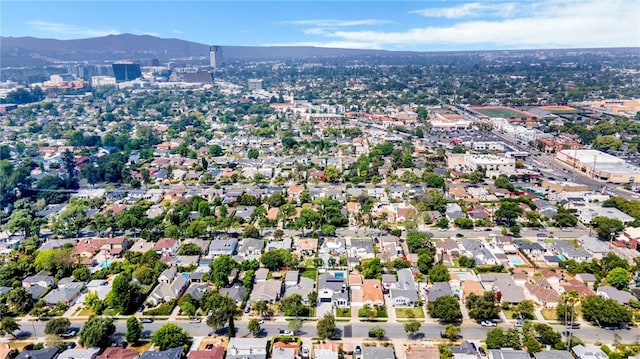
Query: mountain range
30,51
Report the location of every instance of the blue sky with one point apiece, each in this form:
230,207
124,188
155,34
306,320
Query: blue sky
392,25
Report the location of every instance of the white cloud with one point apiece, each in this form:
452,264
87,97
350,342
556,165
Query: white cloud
473,9
335,23
548,24
70,29
176,31
332,44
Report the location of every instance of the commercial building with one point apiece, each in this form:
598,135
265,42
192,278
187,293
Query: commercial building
254,85
600,165
492,164
215,56
126,71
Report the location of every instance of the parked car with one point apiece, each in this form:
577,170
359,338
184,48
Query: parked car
260,321
482,352
286,332
459,235
488,323
573,325
519,323
195,320
70,334
147,320
358,350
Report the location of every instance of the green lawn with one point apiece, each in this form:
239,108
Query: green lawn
549,313
84,313
499,112
343,312
416,312
311,273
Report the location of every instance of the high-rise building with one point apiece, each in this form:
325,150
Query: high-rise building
255,85
215,56
126,71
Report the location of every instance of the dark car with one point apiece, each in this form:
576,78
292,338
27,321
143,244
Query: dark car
459,235
573,325
482,352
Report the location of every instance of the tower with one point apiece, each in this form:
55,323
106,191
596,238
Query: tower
215,56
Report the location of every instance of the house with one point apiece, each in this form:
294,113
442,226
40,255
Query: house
45,353
167,247
247,348
173,353
540,291
508,353
361,248
568,251
587,278
196,290
165,292
261,275
141,246
533,249
329,350
503,282
213,353
599,249
268,291
219,247
307,246
168,275
285,244
545,208
437,290
464,351
372,292
118,353
333,289
40,279
88,353
251,248
356,282
66,294
553,354
478,251
236,292
405,290
619,296
285,351
295,284
591,352
378,352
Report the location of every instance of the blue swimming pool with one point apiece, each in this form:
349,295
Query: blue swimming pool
338,275
515,260
105,264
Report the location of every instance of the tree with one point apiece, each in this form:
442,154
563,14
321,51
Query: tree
253,153
524,310
260,306
124,296
467,262
170,336
96,331
20,299
445,308
57,326
187,305
411,327
417,240
442,222
604,311
220,307
292,306
274,259
606,143
221,267
8,325
144,275
73,217
618,278
546,334
451,331
438,273
483,307
508,212
82,274
326,326
294,326
605,226
372,268
134,330
189,249
532,345
377,332
254,326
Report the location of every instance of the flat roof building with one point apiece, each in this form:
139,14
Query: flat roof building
600,165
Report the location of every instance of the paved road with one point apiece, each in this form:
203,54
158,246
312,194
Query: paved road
470,331
525,233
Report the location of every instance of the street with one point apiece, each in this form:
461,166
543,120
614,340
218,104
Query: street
429,331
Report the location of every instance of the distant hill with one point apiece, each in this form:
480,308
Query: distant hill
30,51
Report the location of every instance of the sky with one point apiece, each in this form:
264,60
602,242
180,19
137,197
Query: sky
390,25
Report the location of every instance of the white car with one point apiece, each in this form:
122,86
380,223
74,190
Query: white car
488,323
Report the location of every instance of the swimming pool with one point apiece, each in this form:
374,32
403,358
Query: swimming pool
105,264
515,260
339,275
461,276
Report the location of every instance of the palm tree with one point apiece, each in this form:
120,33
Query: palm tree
8,325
